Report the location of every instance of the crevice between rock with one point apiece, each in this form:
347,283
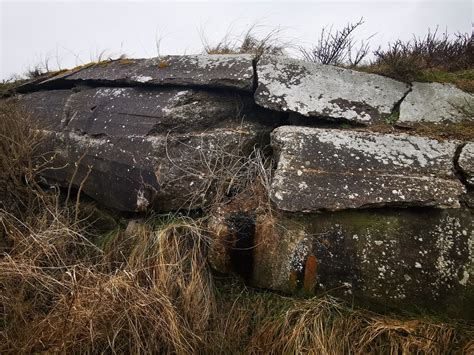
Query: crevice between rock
395,113
458,171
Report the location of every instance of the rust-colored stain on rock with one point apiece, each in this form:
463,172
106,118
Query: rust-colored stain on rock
310,274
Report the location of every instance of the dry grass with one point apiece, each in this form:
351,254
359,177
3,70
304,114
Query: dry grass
247,42
19,143
327,326
73,297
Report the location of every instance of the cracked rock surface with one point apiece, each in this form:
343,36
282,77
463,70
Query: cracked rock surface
136,173
137,149
317,90
324,169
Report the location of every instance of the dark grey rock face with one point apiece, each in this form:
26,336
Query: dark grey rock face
213,71
322,169
48,108
138,148
321,90
395,258
137,111
137,173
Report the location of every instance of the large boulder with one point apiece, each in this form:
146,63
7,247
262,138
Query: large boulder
397,258
317,90
212,71
436,103
329,169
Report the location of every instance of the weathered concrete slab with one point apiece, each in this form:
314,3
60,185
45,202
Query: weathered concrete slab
402,258
436,102
214,71
136,173
466,162
47,108
311,89
324,169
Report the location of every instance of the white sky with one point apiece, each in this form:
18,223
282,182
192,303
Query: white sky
69,33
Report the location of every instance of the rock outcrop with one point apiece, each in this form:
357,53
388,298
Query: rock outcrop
359,208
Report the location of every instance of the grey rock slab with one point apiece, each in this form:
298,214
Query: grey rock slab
326,169
437,103
46,108
215,71
466,162
404,258
311,89
137,173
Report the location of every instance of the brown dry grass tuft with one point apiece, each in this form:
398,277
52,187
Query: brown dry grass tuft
59,286
20,160
327,326
247,42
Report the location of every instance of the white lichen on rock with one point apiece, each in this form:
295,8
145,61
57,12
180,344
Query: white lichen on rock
437,103
321,90
391,169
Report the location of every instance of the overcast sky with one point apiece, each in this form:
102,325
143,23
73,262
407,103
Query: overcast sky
70,33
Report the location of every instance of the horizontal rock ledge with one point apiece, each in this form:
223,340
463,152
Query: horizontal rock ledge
213,71
330,169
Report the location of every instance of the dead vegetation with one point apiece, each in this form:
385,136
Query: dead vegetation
19,143
338,47
248,42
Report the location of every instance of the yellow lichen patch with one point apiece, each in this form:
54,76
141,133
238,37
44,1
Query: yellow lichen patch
104,63
163,64
126,61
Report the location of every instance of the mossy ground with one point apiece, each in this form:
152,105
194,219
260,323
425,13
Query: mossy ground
463,79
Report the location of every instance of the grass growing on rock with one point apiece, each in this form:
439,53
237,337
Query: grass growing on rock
68,287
